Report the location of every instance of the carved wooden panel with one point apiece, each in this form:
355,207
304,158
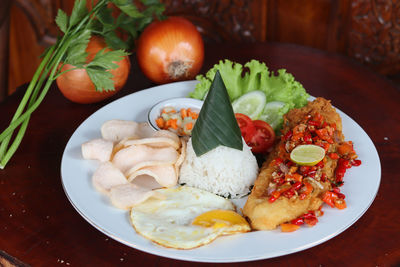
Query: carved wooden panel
32,23
306,22
374,38
32,29
41,14
368,30
224,20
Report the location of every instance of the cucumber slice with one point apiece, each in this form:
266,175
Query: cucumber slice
272,113
252,104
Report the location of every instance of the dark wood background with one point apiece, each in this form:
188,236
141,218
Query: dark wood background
366,30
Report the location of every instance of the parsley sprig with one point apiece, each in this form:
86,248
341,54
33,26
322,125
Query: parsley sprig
70,49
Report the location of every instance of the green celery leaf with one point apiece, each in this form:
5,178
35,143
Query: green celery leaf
154,7
128,8
78,12
113,41
101,78
95,26
128,24
62,20
216,124
133,31
150,2
106,60
76,53
143,22
105,17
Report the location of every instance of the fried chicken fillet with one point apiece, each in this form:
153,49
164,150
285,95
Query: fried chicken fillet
266,213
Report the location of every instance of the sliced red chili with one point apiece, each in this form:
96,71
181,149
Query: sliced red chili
329,198
324,135
304,169
344,162
294,177
296,186
289,193
324,145
313,123
307,138
302,196
287,136
311,221
297,221
320,164
318,117
341,195
340,203
323,177
336,190
276,194
333,155
272,199
308,215
339,173
311,174
278,161
290,163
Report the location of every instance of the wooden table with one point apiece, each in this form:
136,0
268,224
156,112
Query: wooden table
40,227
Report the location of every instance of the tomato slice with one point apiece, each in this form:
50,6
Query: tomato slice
263,138
246,126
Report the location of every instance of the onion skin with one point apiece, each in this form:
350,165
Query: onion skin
170,50
76,85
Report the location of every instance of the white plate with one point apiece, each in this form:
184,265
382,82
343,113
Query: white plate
361,186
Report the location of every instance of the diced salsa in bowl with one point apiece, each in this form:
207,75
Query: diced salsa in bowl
179,121
177,115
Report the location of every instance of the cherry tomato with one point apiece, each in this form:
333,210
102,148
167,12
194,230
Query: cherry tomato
264,137
246,126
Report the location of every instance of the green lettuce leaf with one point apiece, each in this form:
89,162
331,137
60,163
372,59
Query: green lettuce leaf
201,88
283,87
254,75
231,75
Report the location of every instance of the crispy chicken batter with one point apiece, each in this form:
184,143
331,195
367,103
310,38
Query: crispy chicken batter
264,214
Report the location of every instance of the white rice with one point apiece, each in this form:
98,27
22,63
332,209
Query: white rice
223,171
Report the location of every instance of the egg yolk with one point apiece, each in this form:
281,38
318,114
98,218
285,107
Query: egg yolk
219,219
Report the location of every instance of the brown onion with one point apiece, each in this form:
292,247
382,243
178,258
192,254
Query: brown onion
170,50
76,84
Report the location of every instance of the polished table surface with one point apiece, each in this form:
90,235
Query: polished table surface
39,226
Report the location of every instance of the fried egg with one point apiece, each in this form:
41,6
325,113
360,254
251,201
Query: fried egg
186,218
